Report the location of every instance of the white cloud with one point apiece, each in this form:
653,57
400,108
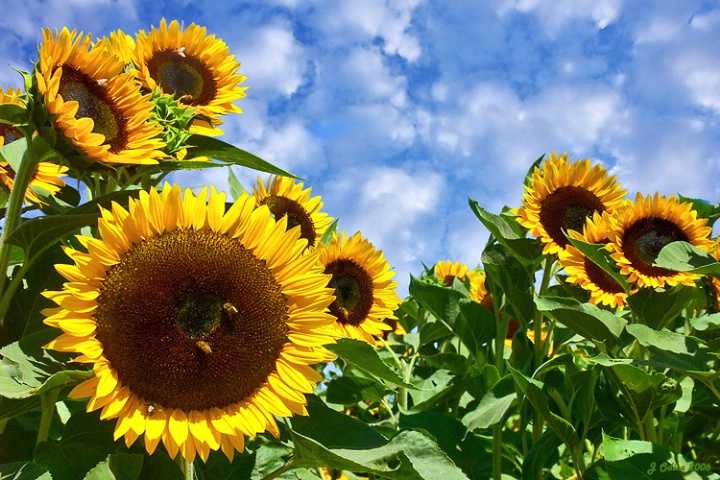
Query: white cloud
556,14
273,60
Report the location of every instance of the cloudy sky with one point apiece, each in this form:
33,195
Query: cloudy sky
397,111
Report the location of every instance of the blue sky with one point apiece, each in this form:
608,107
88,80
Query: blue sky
397,111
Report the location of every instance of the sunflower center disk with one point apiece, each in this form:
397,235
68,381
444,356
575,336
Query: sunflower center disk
643,241
93,102
601,278
184,76
566,209
295,213
192,320
9,133
353,291
200,314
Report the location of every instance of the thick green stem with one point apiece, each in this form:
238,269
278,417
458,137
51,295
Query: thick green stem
285,468
539,348
497,451
14,209
188,469
47,403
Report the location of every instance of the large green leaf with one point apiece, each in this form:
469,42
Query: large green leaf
493,406
584,319
28,370
685,257
639,460
13,114
86,442
410,455
507,276
473,324
657,308
350,389
543,454
202,146
23,471
505,230
362,356
37,234
533,390
683,353
118,466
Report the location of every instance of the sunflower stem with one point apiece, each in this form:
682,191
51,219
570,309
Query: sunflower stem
187,468
47,405
538,343
14,209
285,468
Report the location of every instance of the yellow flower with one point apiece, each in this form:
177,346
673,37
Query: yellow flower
46,176
364,291
96,106
201,324
285,198
118,44
478,291
196,68
644,227
447,271
583,271
562,195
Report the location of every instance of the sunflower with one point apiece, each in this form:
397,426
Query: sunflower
581,270
285,198
364,291
447,271
478,291
96,106
47,175
562,195
195,68
237,315
118,44
644,227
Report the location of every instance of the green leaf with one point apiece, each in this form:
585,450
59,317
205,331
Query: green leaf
37,234
86,441
600,256
23,471
685,257
543,454
493,406
118,466
706,322
364,357
703,208
28,370
447,430
533,390
13,114
658,308
10,408
219,468
212,147
159,466
639,460
584,319
528,251
329,232
408,455
513,279
349,389
683,353
236,188
473,324
334,429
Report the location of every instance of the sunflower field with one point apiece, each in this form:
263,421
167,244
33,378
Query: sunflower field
152,331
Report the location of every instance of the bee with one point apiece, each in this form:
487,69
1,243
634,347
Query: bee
203,345
152,408
230,308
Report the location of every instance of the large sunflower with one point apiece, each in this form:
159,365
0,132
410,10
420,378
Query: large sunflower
196,68
364,291
644,227
285,198
581,270
447,271
96,106
236,316
478,291
47,175
561,195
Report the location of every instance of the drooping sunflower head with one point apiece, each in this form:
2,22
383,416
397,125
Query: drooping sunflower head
581,270
364,291
47,175
236,315
98,109
644,227
561,195
194,67
286,198
447,271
